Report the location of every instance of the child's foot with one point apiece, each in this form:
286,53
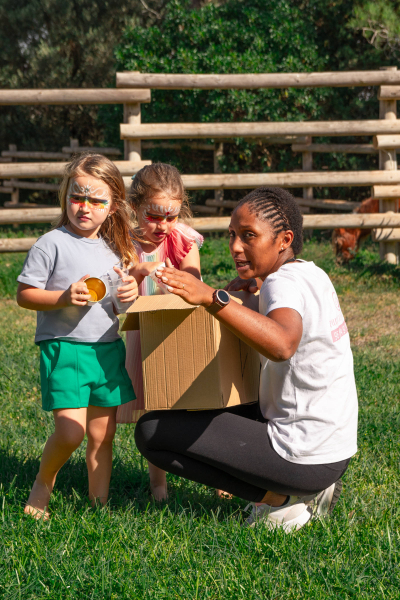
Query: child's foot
38,501
36,513
158,483
159,492
223,495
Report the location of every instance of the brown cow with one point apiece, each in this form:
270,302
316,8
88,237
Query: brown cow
346,242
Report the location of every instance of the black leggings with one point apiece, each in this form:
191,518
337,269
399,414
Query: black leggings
228,449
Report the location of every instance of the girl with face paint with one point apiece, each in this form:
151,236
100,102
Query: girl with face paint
158,199
82,357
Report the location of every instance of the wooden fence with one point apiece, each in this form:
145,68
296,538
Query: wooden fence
134,88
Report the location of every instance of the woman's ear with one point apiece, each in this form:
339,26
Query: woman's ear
287,239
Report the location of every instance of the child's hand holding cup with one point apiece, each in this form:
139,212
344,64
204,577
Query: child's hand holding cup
123,289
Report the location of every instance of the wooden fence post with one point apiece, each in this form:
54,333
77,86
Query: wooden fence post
218,153
307,163
132,148
132,115
15,191
74,144
389,250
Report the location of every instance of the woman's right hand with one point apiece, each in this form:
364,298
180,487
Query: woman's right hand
238,284
77,294
142,270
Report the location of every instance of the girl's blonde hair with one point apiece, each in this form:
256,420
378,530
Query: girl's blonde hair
159,179
116,229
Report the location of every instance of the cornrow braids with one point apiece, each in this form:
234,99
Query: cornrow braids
279,208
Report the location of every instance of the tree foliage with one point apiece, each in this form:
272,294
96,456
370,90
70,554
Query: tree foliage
60,44
63,43
379,22
254,37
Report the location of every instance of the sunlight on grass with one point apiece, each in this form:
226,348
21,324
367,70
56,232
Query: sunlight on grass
195,547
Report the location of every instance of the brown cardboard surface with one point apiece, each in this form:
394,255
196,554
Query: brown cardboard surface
189,359
152,303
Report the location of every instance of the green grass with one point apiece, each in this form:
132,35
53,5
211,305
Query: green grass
194,547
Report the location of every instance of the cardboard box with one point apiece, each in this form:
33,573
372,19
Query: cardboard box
190,360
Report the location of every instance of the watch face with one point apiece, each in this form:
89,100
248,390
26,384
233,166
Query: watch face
223,296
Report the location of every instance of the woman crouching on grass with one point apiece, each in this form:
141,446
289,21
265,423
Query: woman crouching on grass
286,453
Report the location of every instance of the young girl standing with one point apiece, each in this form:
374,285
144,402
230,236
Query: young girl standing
158,198
82,356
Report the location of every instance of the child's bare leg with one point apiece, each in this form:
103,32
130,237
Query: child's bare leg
158,483
101,426
70,424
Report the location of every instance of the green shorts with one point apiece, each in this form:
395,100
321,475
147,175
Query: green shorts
76,374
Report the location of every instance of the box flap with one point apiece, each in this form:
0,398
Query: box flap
158,302
173,302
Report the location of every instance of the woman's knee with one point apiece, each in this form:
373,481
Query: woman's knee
146,430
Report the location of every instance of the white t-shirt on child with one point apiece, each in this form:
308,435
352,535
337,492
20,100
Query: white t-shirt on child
310,400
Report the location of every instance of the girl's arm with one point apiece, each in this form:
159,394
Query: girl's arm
36,299
276,336
191,262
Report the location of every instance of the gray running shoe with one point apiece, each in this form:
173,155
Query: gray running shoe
324,502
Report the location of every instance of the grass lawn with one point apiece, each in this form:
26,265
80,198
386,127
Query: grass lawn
194,547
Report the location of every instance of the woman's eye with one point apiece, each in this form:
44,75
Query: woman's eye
171,219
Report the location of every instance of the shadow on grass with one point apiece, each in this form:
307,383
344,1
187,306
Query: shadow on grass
387,273
129,487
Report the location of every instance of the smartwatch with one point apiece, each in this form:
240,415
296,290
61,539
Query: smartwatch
221,298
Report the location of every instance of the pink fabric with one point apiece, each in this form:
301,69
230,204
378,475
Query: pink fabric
176,246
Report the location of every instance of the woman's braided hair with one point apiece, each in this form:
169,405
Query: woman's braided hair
279,208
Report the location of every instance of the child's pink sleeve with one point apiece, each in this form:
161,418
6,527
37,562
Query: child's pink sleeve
180,242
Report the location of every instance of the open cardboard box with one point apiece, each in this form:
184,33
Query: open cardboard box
190,360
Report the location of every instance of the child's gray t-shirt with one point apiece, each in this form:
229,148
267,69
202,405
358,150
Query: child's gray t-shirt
58,259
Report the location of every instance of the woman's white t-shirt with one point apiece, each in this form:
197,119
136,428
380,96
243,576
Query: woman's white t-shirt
310,400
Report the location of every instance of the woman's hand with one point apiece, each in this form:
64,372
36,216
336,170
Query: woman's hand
238,284
144,269
129,291
185,285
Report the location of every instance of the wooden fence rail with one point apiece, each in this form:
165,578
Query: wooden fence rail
298,179
340,148
148,131
212,181
73,96
387,222
37,170
166,81
327,221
